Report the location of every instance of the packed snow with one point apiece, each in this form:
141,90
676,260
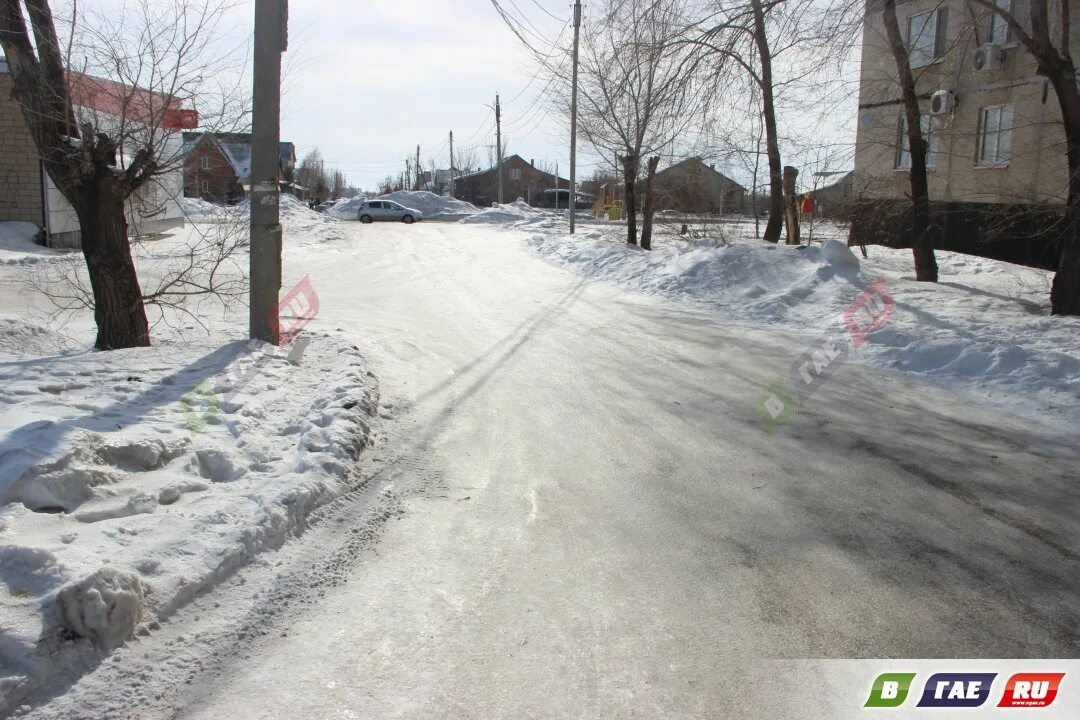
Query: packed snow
132,480
431,206
984,328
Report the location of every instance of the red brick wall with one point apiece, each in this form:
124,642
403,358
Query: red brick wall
218,183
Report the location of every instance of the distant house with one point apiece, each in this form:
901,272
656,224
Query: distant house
217,166
834,200
691,186
521,179
28,194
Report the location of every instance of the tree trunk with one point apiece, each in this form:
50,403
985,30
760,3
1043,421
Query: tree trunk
647,205
791,206
926,269
630,168
772,142
118,306
1065,292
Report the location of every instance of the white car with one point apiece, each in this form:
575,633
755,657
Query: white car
374,210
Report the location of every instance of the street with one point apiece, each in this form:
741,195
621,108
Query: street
574,510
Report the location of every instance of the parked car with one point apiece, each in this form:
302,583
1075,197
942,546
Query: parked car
325,206
375,210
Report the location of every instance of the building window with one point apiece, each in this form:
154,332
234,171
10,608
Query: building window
515,173
931,128
926,36
1000,32
995,135
205,187
204,162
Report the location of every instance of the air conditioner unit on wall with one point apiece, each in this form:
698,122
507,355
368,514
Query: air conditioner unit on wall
942,102
988,57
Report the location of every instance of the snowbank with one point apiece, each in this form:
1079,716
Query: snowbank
18,244
432,206
515,212
981,329
302,225
132,480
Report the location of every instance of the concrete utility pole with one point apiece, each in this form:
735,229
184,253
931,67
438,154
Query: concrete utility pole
573,119
271,40
498,144
419,172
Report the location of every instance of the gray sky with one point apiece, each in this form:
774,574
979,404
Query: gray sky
367,82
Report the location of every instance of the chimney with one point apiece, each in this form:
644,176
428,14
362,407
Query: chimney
532,162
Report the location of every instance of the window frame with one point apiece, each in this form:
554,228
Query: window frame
997,161
997,23
205,187
931,131
937,38
515,174
205,163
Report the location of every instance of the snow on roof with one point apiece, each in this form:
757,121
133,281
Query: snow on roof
239,156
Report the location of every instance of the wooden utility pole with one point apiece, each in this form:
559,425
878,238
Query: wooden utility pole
498,145
271,40
419,172
791,205
573,119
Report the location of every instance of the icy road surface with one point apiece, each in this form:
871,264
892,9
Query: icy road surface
577,513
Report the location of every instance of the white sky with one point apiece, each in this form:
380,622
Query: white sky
366,82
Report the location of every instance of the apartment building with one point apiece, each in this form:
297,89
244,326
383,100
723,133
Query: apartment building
997,169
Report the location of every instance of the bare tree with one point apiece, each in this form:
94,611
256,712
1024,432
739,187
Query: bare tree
640,90
148,58
926,268
1054,61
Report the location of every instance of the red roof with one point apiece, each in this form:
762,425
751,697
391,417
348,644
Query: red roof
132,103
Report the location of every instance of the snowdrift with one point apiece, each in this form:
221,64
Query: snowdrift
130,481
981,329
302,225
515,212
18,246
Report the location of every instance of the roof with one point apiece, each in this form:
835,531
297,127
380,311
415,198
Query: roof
506,160
701,166
132,103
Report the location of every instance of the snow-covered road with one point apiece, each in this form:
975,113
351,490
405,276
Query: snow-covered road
578,513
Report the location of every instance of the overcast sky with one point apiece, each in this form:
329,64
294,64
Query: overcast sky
367,82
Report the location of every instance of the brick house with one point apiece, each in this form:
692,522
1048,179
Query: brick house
217,166
691,186
996,165
21,187
521,179
27,193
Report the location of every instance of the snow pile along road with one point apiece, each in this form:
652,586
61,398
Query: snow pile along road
18,244
981,329
132,480
518,211
302,225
